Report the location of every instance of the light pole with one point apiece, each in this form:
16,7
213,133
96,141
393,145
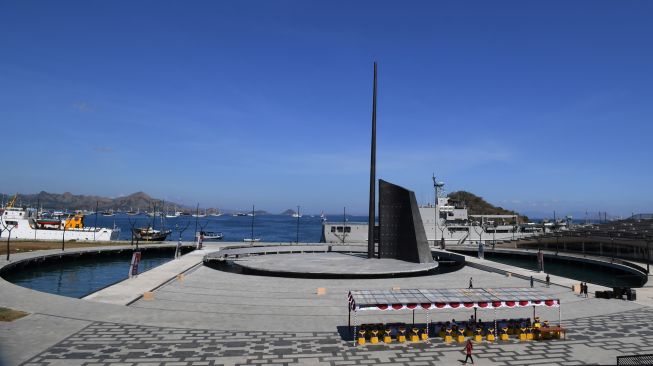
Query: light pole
63,237
648,251
298,215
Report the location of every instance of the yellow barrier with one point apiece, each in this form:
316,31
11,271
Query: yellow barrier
361,337
387,338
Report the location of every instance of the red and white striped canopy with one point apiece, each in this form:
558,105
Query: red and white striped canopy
484,298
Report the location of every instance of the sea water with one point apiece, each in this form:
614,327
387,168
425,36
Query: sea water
269,228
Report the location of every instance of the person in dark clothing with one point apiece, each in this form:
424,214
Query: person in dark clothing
531,281
468,351
548,280
471,284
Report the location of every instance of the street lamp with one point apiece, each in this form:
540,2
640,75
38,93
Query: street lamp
648,250
298,215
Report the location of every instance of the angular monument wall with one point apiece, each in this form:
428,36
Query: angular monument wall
401,232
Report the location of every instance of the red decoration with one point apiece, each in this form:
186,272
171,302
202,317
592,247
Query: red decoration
382,307
426,305
397,306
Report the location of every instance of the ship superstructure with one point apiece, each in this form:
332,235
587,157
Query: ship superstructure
24,223
454,224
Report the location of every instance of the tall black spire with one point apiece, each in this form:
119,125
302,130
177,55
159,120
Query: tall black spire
370,230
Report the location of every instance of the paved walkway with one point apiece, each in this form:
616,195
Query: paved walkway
214,317
130,290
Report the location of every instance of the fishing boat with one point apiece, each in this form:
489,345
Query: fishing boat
108,213
132,212
209,236
150,234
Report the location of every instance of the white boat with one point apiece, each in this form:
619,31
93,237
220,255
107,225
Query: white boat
108,213
209,236
251,240
296,215
25,224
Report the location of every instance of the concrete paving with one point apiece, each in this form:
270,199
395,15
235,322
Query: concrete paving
331,264
213,317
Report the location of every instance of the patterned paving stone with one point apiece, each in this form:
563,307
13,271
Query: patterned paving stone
106,344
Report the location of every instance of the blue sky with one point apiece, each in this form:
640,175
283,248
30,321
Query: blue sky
534,105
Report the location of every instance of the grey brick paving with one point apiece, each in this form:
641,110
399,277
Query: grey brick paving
112,344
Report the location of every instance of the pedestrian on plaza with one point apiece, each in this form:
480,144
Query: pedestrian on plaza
548,280
468,351
471,284
531,281
586,294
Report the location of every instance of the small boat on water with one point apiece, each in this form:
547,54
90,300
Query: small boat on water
108,213
150,234
252,239
296,215
209,235
241,214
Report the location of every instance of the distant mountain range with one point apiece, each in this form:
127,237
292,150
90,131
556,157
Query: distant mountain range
135,201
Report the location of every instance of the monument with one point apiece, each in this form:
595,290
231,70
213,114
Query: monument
401,233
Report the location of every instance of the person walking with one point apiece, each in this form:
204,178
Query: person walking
531,281
548,280
585,290
468,351
471,284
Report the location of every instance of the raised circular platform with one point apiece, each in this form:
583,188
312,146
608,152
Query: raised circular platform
331,265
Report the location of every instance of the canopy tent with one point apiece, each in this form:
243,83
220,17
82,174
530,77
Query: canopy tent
448,299
437,299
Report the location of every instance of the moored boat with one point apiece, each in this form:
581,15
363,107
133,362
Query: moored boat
150,234
25,224
209,235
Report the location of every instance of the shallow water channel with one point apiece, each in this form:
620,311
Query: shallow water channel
570,268
78,276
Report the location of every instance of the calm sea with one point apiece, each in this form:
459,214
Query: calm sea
270,228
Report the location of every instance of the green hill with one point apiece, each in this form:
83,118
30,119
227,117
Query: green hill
478,206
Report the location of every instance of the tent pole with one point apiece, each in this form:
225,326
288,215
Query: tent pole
427,324
354,326
413,317
495,322
349,318
533,314
559,315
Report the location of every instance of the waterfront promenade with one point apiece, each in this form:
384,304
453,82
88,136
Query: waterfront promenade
211,317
